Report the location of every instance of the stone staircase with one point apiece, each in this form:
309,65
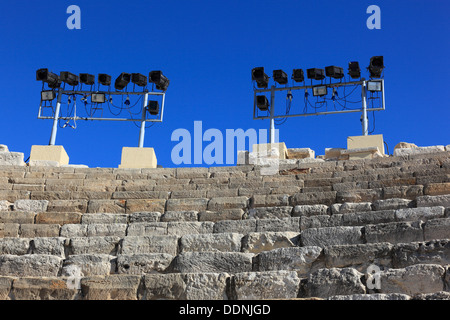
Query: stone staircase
314,230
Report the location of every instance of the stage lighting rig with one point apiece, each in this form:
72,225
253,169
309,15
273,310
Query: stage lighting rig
334,72
104,79
87,78
353,70
159,80
139,79
320,91
122,81
153,107
376,66
69,78
298,75
280,76
315,74
262,103
50,78
48,95
262,79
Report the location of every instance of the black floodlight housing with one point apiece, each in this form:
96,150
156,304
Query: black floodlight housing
69,78
280,76
48,95
376,66
262,103
122,81
320,91
87,78
353,70
298,75
315,74
104,79
153,107
98,98
50,78
159,80
334,72
139,79
262,79
374,86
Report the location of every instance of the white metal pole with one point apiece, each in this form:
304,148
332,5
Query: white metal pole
144,113
364,106
272,113
55,119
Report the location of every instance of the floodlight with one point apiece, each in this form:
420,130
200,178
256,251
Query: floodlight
122,81
262,79
373,86
50,78
280,76
48,95
139,79
104,79
69,78
262,103
298,75
334,72
153,107
315,74
159,80
376,66
319,91
98,98
87,78
353,70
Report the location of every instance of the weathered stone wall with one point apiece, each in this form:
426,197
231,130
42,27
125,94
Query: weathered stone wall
312,230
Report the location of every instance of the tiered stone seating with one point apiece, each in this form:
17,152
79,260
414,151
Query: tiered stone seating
312,230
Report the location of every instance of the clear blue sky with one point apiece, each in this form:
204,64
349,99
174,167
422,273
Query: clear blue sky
207,49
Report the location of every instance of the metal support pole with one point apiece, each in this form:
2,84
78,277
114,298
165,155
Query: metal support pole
55,119
272,113
365,123
144,114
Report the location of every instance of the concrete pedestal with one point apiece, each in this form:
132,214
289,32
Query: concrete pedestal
138,158
49,154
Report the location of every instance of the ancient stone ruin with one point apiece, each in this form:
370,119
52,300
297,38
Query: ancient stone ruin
374,228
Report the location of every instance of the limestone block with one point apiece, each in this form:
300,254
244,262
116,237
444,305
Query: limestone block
68,206
435,189
5,205
147,229
357,142
271,200
189,227
256,242
60,218
143,263
238,226
395,232
359,256
369,217
430,252
48,288
90,264
300,153
217,204
20,217
4,148
312,198
94,245
14,246
170,216
9,230
43,163
325,283
211,242
423,213
321,221
94,230
13,195
412,280
11,159
350,207
49,153
138,158
144,216
96,218
407,145
265,285
192,173
270,212
299,259
441,295
39,230
394,203
323,237
428,201
215,262
30,265
242,158
369,195
310,210
333,153
437,229
150,244
191,286
199,204
55,246
278,225
106,206
266,149
228,214
111,287
361,153
418,150
31,205
5,287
